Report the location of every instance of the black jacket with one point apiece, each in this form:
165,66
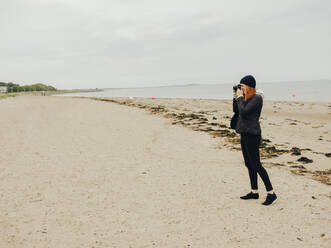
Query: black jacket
249,115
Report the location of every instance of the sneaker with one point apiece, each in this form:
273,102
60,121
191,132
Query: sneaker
270,199
250,195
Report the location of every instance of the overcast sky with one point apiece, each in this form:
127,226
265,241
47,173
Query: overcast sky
129,43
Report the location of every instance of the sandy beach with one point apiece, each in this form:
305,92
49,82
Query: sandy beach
80,172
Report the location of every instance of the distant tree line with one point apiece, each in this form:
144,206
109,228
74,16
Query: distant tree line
12,87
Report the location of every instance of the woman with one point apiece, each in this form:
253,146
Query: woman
249,106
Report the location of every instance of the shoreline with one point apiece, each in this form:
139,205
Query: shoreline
48,93
183,98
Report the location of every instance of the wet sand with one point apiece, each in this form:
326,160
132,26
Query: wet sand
158,173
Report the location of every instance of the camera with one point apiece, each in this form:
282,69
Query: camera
235,87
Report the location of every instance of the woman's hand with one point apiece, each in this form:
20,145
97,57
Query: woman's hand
239,92
234,93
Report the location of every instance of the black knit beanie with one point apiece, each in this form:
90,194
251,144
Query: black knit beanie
249,81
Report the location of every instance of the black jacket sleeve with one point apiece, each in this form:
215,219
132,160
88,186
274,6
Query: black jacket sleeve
235,106
250,107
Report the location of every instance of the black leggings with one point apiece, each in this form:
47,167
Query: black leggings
250,148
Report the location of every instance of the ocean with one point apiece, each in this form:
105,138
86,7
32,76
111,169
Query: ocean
307,91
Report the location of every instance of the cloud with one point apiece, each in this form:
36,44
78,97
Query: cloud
77,44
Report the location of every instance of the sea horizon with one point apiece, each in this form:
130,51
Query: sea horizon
310,91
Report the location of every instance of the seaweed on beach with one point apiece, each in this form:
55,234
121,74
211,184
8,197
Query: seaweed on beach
268,151
296,151
305,160
199,121
328,155
158,109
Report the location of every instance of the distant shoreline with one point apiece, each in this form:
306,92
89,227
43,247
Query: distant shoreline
190,99
298,92
77,91
212,84
54,93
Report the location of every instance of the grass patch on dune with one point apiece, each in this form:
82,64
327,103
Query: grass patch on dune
6,95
